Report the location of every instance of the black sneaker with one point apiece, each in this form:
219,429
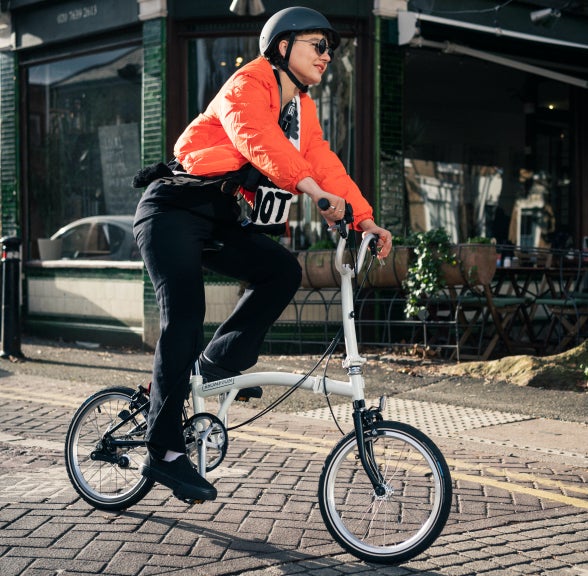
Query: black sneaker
180,476
211,372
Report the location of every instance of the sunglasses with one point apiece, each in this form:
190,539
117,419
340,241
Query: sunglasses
320,47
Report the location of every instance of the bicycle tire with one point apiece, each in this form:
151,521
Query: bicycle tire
112,480
398,526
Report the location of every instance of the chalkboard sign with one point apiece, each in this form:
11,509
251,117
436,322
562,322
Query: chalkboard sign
120,160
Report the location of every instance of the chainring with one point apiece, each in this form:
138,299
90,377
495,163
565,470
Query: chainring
207,430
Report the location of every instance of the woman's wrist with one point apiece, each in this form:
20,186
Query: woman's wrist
367,225
309,187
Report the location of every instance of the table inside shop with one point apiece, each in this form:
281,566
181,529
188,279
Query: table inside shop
490,316
549,293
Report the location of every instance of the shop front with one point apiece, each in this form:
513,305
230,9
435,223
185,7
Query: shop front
104,88
474,121
79,115
495,128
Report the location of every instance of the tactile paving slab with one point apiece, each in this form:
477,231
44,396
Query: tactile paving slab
435,419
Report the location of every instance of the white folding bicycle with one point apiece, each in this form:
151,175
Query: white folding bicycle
385,489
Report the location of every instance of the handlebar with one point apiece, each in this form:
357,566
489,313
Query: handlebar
368,242
323,204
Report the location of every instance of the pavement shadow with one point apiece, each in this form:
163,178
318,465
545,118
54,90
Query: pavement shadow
269,555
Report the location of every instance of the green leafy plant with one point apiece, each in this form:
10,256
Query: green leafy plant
404,240
479,240
323,244
424,279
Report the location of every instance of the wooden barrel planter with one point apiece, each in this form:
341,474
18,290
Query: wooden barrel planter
476,265
318,269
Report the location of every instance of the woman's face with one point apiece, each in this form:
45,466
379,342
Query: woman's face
305,61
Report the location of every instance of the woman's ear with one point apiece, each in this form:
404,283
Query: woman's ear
283,47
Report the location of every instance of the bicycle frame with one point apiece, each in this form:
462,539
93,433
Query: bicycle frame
353,388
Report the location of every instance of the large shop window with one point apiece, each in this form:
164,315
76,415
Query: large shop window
487,152
83,148
211,63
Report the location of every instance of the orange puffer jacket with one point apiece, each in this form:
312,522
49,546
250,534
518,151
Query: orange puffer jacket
240,125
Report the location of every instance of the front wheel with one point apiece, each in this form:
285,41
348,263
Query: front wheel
104,447
408,512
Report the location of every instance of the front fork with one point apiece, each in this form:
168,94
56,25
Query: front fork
363,421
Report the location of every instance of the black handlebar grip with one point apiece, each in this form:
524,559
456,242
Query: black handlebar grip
323,204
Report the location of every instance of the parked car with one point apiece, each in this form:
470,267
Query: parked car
99,238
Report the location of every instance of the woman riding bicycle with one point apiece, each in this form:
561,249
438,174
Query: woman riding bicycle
260,137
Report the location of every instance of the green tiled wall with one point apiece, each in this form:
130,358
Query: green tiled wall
154,76
153,141
9,195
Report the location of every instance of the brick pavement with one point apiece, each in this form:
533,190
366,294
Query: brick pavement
518,509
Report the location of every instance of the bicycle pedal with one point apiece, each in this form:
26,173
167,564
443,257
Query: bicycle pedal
246,394
189,501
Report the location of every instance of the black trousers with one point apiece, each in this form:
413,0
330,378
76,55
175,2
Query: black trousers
172,226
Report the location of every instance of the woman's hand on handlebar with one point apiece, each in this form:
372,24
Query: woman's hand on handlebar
384,237
335,209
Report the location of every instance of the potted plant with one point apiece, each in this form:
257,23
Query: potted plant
437,263
49,249
422,263
477,261
425,275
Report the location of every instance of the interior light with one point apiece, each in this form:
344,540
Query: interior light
551,106
243,7
256,7
545,16
223,63
238,61
239,7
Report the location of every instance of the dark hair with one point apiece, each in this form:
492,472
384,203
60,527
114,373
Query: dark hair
273,52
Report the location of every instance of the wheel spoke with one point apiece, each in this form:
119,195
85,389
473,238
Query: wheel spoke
106,484
408,516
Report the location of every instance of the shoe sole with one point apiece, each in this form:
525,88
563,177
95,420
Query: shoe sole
180,491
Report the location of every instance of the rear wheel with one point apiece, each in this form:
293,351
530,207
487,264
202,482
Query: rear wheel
104,474
408,511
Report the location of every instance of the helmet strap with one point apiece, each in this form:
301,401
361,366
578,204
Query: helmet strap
283,64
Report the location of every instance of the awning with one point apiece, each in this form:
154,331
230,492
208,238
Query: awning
409,32
407,21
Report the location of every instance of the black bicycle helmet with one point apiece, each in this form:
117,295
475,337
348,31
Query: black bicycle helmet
288,23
